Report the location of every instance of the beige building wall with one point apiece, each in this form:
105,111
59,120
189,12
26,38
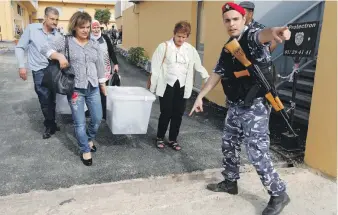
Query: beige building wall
9,17
6,21
150,23
321,143
68,9
214,37
119,22
130,28
20,20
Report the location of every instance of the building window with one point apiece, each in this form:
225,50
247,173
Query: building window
81,9
20,10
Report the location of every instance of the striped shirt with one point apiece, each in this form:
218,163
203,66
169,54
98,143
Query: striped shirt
87,60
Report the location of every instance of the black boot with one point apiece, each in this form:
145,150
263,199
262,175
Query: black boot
48,133
57,128
50,130
54,129
276,204
224,186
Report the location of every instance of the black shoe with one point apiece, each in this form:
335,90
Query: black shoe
54,129
276,204
88,162
57,128
224,186
47,134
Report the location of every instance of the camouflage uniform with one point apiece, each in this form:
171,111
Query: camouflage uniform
255,24
248,125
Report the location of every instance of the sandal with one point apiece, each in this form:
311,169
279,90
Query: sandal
174,145
160,143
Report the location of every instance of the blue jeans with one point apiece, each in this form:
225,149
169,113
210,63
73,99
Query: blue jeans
46,99
91,96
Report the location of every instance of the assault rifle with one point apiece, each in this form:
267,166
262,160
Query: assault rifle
236,50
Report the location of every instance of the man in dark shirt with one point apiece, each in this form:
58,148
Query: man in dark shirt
247,120
249,8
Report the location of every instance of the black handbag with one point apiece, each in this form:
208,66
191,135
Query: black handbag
58,80
115,80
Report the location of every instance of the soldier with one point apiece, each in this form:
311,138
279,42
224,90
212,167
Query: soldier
248,114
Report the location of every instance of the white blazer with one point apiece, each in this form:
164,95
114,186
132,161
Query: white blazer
159,70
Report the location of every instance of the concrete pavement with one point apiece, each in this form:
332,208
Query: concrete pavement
182,194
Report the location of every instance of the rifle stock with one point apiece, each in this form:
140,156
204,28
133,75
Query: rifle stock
236,50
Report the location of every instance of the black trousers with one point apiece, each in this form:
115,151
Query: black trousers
172,106
46,99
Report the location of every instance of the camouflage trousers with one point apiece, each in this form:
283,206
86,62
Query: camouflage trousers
250,126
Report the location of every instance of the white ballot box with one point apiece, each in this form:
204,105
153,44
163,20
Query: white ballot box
128,109
62,105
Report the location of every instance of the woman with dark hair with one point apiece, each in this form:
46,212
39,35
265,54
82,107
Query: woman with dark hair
109,57
86,59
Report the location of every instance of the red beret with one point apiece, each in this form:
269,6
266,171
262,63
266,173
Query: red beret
232,6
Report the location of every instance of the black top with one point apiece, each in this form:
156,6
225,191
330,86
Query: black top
110,48
236,89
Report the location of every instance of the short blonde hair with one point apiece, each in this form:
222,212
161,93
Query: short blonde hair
79,18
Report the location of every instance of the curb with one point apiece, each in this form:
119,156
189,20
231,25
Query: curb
4,50
124,52
246,168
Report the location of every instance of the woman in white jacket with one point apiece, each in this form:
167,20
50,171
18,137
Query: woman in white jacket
172,73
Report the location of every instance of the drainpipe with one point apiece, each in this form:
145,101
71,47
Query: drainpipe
138,24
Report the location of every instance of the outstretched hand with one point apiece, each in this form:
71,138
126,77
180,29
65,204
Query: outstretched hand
198,106
281,34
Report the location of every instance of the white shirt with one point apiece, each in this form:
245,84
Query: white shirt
159,70
177,64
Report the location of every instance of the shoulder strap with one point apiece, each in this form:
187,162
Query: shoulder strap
109,45
67,48
165,52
